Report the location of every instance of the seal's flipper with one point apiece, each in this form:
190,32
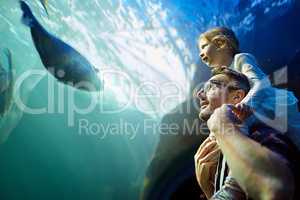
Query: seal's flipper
27,18
7,87
96,69
10,64
44,4
11,82
5,68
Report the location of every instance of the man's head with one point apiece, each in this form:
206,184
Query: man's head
225,87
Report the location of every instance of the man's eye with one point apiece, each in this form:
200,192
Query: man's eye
213,87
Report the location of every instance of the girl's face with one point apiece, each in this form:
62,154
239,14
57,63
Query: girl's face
214,55
208,52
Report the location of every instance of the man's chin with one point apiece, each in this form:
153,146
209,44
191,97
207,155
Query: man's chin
205,114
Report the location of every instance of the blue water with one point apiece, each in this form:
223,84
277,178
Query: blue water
145,51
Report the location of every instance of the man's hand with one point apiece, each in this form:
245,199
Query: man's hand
206,160
222,119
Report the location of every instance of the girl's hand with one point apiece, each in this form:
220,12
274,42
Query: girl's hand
242,111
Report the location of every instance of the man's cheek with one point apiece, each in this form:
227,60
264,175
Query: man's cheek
205,113
215,103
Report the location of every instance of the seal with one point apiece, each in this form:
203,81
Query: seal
65,63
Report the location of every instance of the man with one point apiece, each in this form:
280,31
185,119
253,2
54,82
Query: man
259,162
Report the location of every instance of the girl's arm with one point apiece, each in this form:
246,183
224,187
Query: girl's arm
247,65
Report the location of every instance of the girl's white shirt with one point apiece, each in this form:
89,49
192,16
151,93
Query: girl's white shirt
275,107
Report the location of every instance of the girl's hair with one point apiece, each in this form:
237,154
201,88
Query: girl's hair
222,33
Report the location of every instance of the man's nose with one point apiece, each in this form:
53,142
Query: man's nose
201,94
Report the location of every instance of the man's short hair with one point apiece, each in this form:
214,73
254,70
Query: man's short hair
241,79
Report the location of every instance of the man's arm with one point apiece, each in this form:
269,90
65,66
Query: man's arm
263,174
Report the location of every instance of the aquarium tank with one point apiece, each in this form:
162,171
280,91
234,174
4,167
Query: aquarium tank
58,142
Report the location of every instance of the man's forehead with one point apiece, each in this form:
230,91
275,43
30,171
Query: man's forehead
220,77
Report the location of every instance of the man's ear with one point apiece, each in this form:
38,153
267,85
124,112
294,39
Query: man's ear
238,95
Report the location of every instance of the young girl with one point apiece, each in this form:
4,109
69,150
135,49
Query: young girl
277,108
